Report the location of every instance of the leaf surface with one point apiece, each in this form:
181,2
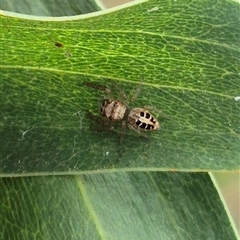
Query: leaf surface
140,205
188,54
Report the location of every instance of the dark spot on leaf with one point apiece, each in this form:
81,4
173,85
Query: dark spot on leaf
58,44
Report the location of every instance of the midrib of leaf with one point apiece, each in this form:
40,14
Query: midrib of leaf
90,208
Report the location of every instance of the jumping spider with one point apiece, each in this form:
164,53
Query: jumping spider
138,119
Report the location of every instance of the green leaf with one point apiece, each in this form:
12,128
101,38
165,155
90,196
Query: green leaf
188,54
146,205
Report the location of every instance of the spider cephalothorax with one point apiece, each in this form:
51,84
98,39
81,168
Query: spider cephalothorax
113,109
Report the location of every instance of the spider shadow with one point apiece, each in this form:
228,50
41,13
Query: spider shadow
124,138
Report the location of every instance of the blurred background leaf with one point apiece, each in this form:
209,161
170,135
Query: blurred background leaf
141,205
52,8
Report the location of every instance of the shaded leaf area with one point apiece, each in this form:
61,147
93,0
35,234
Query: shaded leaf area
190,65
142,205
53,8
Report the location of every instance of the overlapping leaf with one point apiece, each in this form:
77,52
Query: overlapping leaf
120,206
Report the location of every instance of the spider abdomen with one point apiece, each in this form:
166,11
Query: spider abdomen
141,119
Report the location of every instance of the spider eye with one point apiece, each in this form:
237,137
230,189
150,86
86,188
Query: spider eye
115,104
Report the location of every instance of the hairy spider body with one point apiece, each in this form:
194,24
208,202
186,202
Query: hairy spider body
113,109
137,118
141,119
116,109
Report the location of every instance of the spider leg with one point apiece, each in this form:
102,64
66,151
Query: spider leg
95,86
152,108
139,132
109,93
137,91
123,132
101,124
121,94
